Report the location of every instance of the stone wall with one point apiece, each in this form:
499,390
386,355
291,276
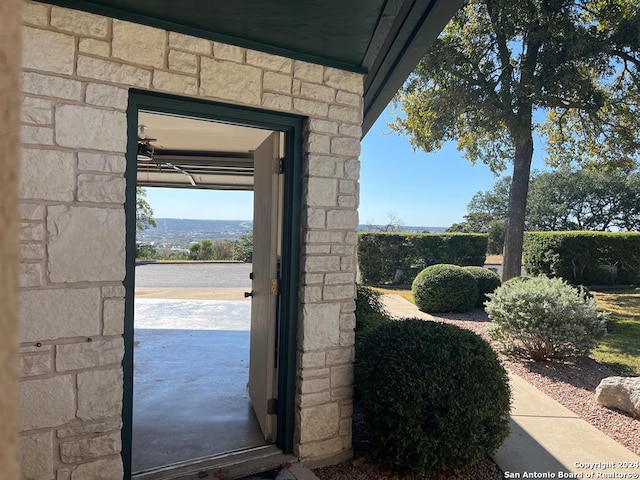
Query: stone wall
77,69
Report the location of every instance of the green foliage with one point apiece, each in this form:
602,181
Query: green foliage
380,255
544,318
146,251
584,258
244,248
445,288
144,212
212,250
486,280
370,311
435,396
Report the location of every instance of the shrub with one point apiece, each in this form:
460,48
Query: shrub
435,396
544,318
487,281
370,311
445,288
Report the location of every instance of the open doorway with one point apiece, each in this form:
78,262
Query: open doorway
181,377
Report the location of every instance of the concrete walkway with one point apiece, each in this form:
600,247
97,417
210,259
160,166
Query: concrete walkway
546,438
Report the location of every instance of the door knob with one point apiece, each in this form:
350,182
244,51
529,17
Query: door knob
248,294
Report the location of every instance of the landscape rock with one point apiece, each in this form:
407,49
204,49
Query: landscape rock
622,393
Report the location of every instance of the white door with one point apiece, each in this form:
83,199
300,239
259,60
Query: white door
262,367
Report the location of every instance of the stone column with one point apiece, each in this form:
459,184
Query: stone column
10,50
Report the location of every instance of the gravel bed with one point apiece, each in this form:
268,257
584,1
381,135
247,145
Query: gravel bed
572,384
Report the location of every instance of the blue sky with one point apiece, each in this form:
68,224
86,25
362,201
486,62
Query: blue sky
421,189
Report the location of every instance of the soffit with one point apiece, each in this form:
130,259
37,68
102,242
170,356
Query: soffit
383,39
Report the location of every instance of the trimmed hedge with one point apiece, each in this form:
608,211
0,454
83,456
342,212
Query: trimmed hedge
435,396
584,258
380,255
445,288
487,280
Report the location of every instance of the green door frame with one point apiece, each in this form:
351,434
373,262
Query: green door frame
292,126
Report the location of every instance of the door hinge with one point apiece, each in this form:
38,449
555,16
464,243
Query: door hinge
275,286
272,406
280,166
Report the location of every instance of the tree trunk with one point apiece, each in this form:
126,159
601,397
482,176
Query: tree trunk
514,235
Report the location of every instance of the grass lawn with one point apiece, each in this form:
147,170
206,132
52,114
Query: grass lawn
620,349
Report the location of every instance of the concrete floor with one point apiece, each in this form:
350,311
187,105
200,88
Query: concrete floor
191,362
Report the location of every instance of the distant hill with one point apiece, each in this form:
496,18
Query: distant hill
181,232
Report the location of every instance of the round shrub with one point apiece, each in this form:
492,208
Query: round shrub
544,318
435,396
487,281
445,288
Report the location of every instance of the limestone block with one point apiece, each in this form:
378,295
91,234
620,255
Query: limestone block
105,469
100,162
343,250
320,326
321,263
323,448
31,232
34,364
315,218
138,44
339,278
308,71
48,51
30,274
317,143
86,244
347,98
59,313
342,394
79,22
268,61
345,114
342,376
107,96
79,126
323,126
37,110
173,82
47,86
191,44
113,291
622,393
36,456
347,338
311,359
113,317
76,356
340,356
341,80
230,81
314,385
318,92
31,251
47,175
313,399
347,186
35,13
90,448
339,292
316,250
115,72
31,211
347,201
94,47
277,82
223,51
322,166
91,428
320,422
46,403
275,101
323,237
101,188
310,107
352,169
182,61
63,474
312,294
321,192
99,394
306,373
348,130
33,135
312,278
296,86
342,219
345,146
